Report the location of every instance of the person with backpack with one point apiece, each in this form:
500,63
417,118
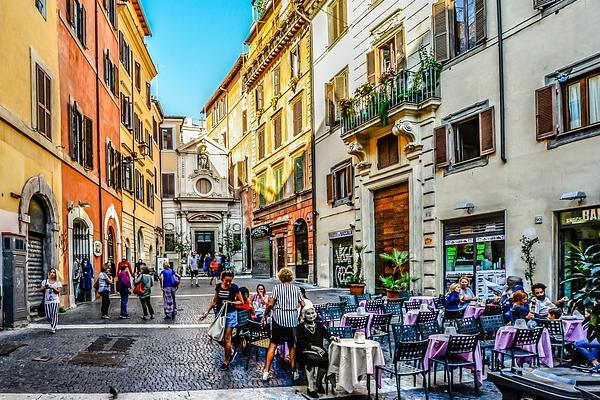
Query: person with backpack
143,289
123,285
103,285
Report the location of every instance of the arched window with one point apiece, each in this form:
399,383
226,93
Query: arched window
140,245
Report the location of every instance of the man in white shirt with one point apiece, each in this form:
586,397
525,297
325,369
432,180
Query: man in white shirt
193,264
540,304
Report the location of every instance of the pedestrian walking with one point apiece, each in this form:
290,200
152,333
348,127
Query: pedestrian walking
193,265
51,288
214,270
284,303
206,264
104,284
169,280
87,281
123,286
146,280
227,294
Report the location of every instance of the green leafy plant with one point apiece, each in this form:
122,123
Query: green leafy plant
528,257
427,62
364,90
357,277
400,279
347,107
583,266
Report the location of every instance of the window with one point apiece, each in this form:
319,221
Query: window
138,76
41,6
150,195
336,19
76,16
340,184
168,185
113,167
261,143
335,91
124,53
390,57
244,122
458,26
154,130
472,138
169,242
387,151
279,183
148,142
261,188
241,168
139,186
110,73
259,98
81,142
128,174
43,89
111,11
148,95
137,128
295,62
126,107
277,134
276,81
167,138
299,165
297,114
203,186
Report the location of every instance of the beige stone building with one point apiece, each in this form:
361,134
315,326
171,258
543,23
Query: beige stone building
517,145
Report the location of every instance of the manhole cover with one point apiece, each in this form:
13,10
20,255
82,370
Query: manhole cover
104,352
98,359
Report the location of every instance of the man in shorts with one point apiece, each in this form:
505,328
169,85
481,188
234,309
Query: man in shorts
193,265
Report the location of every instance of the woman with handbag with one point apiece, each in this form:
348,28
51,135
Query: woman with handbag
227,296
169,280
104,284
143,288
123,286
51,288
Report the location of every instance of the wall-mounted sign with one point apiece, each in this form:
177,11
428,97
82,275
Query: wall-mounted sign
580,216
261,231
459,241
97,246
340,234
491,238
428,241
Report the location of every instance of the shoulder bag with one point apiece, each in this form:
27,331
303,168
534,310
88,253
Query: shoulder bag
216,330
41,309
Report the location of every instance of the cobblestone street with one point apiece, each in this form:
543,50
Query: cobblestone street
150,357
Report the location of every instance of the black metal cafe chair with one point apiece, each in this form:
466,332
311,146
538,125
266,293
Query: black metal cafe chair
458,345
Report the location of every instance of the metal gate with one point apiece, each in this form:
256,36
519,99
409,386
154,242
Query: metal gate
81,241
35,270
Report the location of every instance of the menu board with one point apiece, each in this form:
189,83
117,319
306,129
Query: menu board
451,256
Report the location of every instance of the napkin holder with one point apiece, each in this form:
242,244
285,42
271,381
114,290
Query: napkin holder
361,311
359,337
424,307
520,324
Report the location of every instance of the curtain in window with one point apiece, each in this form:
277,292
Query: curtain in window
574,94
594,99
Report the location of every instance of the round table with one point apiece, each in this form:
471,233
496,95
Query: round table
368,328
573,330
437,347
351,361
506,334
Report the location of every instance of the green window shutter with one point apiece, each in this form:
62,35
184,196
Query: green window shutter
299,174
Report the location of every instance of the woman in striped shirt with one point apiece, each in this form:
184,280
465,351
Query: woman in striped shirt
284,303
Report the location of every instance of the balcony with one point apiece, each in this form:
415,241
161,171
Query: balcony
415,90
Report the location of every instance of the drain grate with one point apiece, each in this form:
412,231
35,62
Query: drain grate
105,351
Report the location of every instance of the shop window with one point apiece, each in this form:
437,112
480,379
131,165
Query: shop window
168,185
167,138
43,95
301,245
335,91
337,20
387,151
465,140
340,184
458,26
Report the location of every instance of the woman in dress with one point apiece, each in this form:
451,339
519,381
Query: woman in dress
104,284
168,282
51,288
260,300
87,281
227,294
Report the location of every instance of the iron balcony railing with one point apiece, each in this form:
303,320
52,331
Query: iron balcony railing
405,87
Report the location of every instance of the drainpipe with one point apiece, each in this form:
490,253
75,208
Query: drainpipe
313,174
501,81
133,157
98,136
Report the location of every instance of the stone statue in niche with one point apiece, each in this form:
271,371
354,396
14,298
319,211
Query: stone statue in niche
202,161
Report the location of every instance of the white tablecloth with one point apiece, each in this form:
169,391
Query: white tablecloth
351,361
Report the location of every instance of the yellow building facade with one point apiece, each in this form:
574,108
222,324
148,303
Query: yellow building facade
140,121
30,151
277,83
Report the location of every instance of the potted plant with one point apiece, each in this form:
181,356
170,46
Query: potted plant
356,281
347,107
397,284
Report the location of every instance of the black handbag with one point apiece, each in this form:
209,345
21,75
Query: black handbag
41,310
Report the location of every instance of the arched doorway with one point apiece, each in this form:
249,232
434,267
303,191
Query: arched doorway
80,253
36,250
248,265
110,245
301,242
140,246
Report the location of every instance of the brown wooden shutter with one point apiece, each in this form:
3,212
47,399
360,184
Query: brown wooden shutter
297,117
545,117
333,24
329,104
70,11
399,48
88,132
394,149
480,21
72,128
441,31
441,146
349,181
371,67
277,132
330,195
118,172
487,142
108,164
341,16
83,26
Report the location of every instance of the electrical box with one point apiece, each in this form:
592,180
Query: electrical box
14,270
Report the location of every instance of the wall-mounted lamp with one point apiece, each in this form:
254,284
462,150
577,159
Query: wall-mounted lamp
84,204
580,196
352,226
465,206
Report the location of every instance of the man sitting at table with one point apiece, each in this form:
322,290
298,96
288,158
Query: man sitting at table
310,335
541,304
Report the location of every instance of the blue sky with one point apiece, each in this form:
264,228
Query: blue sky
194,44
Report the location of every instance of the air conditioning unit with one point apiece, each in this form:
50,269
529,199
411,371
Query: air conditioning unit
539,4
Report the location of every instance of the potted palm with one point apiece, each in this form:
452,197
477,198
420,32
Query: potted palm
356,281
397,284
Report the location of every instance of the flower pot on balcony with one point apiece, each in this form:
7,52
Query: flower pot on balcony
357,289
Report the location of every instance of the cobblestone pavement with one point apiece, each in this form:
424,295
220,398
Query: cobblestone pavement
156,357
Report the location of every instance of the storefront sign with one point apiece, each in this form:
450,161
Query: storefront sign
261,231
458,241
580,216
340,234
492,238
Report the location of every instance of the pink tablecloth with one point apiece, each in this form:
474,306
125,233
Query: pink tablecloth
363,303
368,329
423,300
438,344
410,317
573,329
474,311
506,334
